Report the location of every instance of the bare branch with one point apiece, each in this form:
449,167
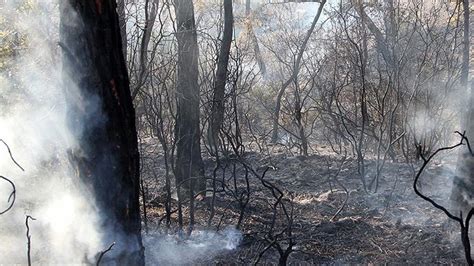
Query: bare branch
102,253
28,237
11,155
463,223
12,197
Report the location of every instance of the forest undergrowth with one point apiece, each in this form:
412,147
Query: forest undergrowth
335,220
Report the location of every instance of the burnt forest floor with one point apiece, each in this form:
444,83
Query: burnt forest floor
391,226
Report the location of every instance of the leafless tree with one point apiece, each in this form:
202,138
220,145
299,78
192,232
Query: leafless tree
294,73
217,109
188,166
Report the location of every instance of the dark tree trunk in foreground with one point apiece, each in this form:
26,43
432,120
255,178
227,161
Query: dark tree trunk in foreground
102,115
218,108
188,164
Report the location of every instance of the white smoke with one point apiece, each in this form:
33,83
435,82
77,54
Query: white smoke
33,124
201,246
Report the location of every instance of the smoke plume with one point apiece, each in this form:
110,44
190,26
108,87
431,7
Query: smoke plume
33,123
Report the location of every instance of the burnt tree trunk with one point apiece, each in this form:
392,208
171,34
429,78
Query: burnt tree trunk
123,25
218,108
151,11
189,167
102,116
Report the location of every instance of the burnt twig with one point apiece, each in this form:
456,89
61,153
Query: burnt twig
12,196
11,155
102,253
28,238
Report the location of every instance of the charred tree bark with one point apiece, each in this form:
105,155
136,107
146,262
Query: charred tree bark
102,115
151,11
218,108
299,121
123,26
188,167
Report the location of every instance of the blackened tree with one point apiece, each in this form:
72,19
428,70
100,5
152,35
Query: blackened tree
189,167
102,114
217,113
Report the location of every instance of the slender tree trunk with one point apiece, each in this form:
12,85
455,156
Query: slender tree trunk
218,108
380,42
189,168
466,45
294,75
301,132
151,11
123,26
256,47
102,115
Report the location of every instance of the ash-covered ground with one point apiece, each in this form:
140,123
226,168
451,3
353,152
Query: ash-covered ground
392,225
